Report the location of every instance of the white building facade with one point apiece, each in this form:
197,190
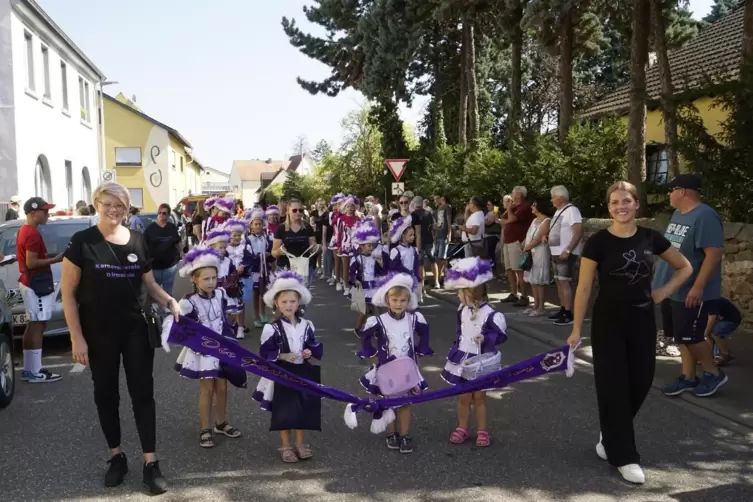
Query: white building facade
50,126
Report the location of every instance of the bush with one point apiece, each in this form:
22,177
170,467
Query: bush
592,158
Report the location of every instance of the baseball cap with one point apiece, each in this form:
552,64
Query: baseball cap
687,181
37,204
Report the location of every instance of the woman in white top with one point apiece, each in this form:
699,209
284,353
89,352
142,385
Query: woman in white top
473,229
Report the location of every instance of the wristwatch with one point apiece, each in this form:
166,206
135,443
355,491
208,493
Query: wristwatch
567,251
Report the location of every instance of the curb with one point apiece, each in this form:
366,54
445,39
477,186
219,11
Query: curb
701,409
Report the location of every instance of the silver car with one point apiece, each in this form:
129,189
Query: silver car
56,234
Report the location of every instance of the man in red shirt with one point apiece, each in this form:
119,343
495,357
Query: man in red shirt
515,223
37,288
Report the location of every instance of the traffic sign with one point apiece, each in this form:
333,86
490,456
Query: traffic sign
398,188
397,167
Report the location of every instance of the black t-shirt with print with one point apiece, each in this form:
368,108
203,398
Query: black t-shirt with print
106,299
424,219
625,264
296,243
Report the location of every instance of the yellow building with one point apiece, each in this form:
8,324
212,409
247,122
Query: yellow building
715,53
153,160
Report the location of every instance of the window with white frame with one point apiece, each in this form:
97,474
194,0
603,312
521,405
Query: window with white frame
81,99
46,69
86,185
86,101
172,158
128,156
29,60
64,81
137,197
181,163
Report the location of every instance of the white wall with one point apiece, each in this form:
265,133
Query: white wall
42,127
248,193
212,176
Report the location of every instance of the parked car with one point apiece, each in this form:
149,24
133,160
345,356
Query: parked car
7,373
56,234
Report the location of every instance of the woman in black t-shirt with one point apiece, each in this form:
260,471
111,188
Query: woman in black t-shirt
623,334
103,271
294,236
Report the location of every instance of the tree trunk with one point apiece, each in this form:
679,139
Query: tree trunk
463,111
470,73
669,109
437,108
637,118
566,76
514,116
747,52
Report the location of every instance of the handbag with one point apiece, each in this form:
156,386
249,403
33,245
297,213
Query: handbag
148,314
481,365
526,260
399,376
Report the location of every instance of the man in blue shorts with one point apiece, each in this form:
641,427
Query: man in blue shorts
696,231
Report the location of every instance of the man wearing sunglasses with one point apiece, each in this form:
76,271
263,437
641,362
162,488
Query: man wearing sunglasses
163,240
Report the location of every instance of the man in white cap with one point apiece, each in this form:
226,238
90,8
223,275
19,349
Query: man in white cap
15,203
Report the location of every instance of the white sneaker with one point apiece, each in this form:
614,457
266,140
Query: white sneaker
600,451
346,291
632,473
331,281
339,286
241,333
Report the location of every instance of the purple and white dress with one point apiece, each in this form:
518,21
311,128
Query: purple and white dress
210,312
486,322
393,338
367,269
229,279
257,247
298,337
405,259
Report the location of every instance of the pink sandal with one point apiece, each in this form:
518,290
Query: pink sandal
459,436
482,439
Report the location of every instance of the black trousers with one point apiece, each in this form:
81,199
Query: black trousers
623,340
106,347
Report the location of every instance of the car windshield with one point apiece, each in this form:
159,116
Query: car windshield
56,235
147,218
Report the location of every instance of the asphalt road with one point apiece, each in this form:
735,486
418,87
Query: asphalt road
543,433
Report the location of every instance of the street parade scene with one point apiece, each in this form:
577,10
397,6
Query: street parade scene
519,314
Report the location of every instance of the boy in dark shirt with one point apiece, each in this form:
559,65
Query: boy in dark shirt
724,319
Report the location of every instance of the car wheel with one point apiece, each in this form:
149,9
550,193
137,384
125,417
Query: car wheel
7,372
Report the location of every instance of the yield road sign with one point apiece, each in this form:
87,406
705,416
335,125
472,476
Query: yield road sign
398,188
397,167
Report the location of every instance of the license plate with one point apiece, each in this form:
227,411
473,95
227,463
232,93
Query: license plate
20,319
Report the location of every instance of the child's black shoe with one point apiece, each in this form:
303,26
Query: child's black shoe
406,444
393,441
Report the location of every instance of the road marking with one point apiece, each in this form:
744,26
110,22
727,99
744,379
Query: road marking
77,368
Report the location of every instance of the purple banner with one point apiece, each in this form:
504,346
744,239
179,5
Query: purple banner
205,341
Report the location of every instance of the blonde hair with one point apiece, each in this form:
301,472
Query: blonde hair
477,293
113,190
294,200
625,186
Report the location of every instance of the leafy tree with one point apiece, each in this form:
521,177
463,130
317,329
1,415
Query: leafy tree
720,9
292,185
300,146
636,149
321,150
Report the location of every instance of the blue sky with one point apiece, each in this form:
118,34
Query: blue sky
221,72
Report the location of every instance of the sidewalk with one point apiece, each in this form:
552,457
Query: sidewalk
733,402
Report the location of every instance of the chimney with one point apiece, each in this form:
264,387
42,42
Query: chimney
651,59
